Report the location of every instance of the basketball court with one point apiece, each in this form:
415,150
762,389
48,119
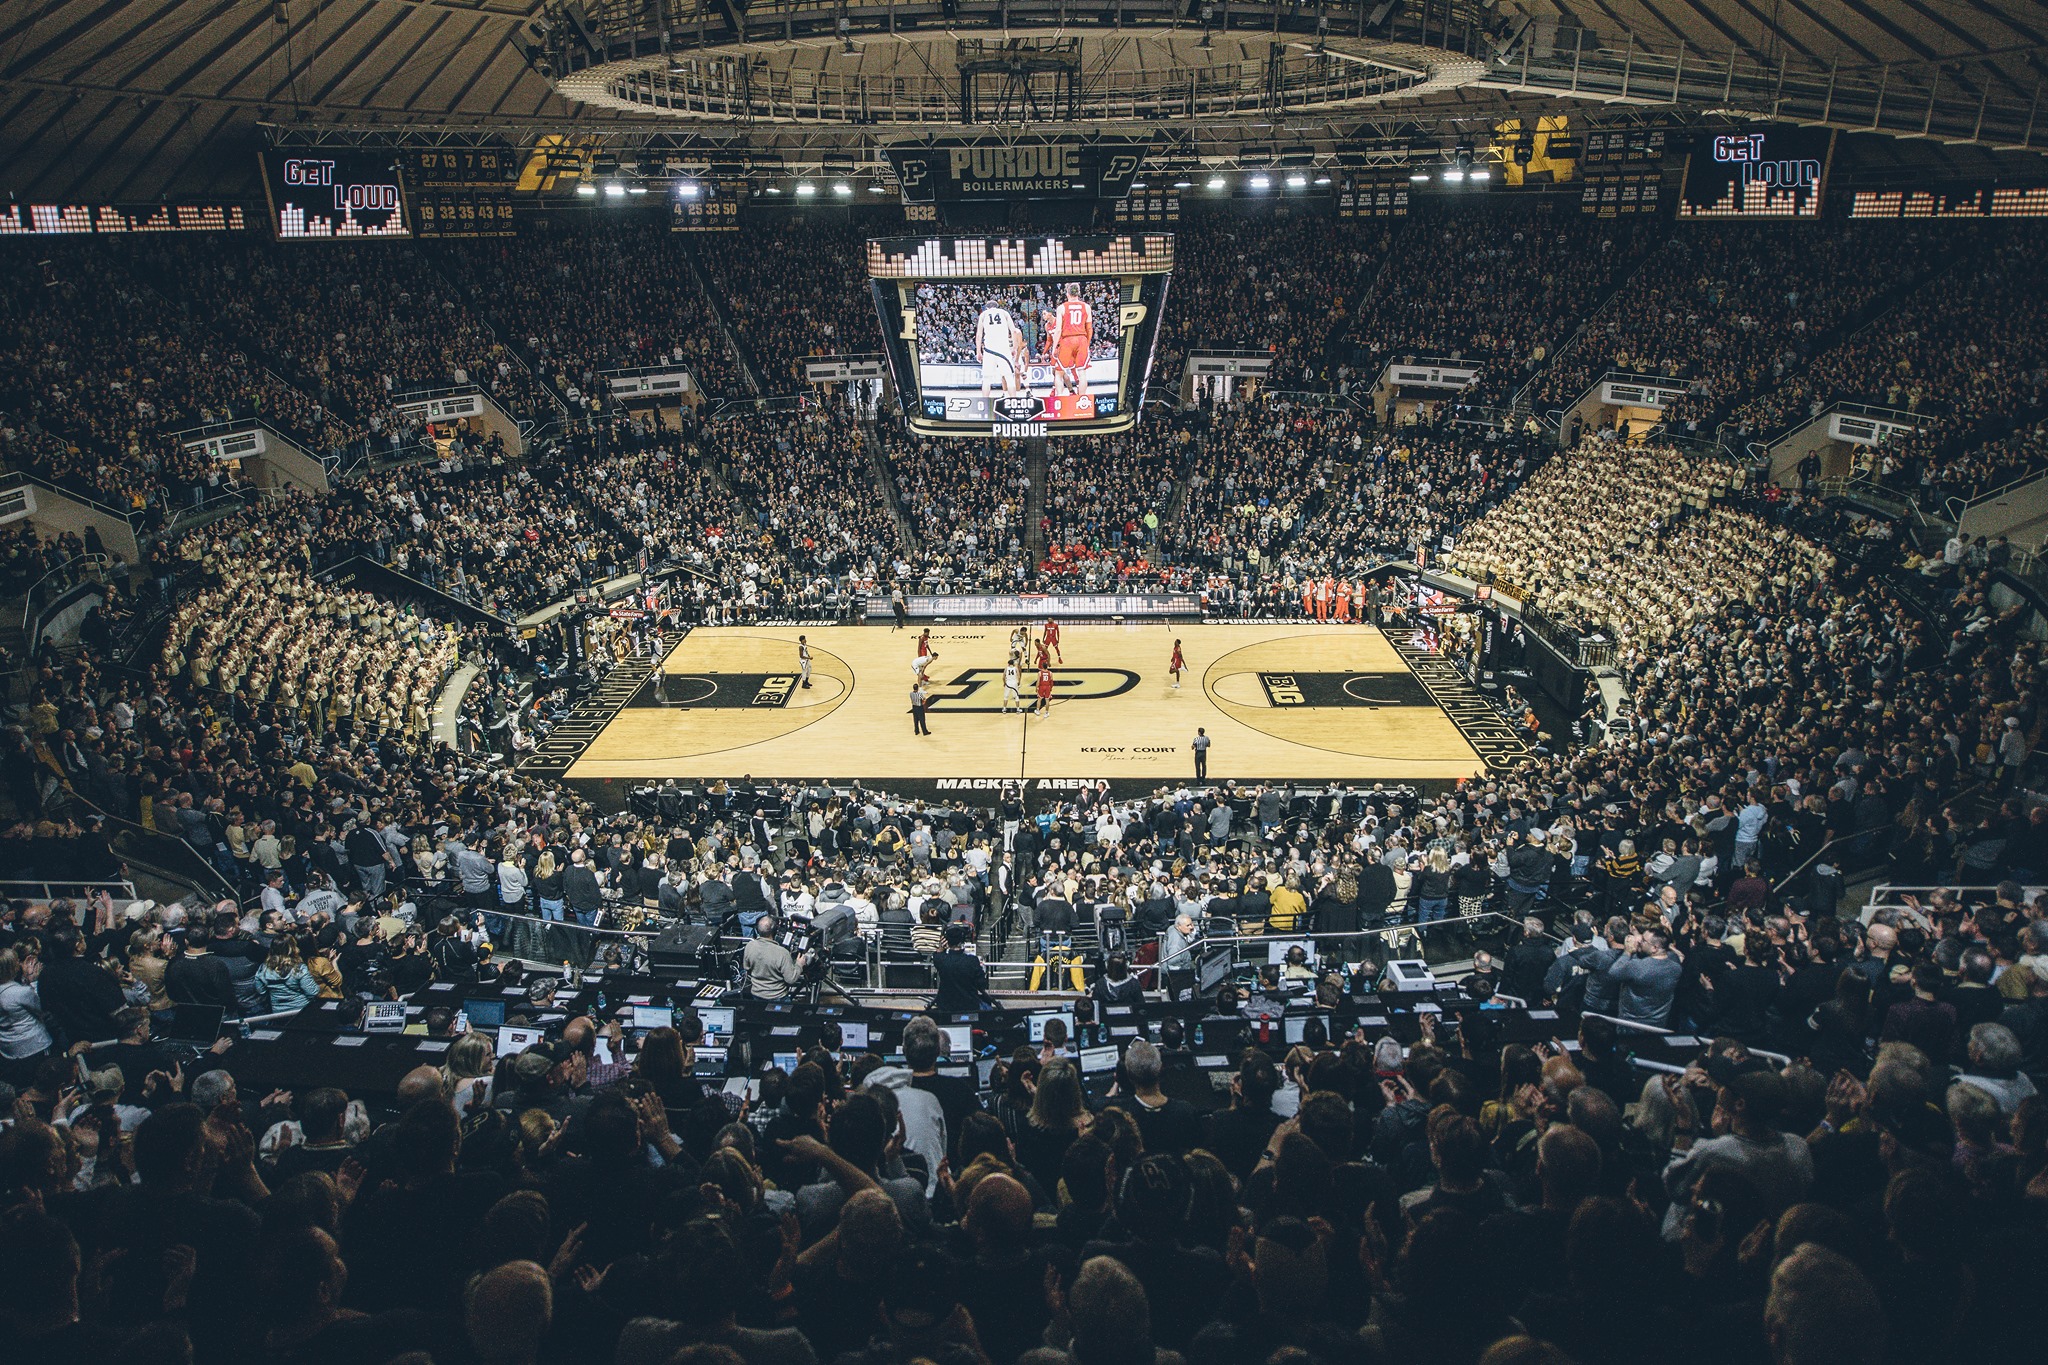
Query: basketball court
1281,701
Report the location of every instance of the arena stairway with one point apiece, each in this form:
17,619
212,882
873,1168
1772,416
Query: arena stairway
1034,501
885,483
750,367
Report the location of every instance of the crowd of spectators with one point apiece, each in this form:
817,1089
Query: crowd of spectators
361,325
263,632
1630,539
813,487
1283,285
794,289
1734,310
581,299
964,501
504,536
1107,496
100,368
1488,287
1351,1201
1966,350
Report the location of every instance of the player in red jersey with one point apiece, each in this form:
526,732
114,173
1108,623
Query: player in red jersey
1044,687
1176,666
1052,638
1076,332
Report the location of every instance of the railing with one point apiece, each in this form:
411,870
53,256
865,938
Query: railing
31,889
59,581
23,476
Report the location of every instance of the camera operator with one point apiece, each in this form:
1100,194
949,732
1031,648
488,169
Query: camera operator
772,970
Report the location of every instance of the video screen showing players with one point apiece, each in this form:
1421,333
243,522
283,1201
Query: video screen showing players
1018,350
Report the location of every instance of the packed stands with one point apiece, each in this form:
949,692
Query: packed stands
794,290
1502,289
591,297
1733,310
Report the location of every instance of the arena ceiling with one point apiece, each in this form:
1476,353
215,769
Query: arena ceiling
133,100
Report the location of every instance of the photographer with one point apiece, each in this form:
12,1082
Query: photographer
772,970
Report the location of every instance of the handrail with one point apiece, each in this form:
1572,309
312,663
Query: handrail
13,477
96,563
11,889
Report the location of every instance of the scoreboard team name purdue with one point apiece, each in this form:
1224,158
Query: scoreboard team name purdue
1020,431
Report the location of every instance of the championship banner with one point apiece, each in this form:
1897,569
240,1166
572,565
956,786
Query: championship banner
1053,168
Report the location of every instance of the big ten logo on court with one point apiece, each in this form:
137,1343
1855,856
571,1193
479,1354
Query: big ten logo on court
981,689
1282,690
775,690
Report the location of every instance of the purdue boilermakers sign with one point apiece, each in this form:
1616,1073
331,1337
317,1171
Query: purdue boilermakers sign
1034,169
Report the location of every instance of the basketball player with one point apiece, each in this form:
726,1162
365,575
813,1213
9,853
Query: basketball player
1010,696
1020,643
1044,656
1077,330
1048,334
803,660
1001,343
920,667
1052,638
1176,666
1044,685
924,642
1343,601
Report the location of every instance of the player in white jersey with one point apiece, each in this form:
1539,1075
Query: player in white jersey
1000,342
1010,696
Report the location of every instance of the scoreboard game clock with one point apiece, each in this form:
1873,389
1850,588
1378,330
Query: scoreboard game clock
319,196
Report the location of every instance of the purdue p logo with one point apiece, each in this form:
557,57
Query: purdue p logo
981,689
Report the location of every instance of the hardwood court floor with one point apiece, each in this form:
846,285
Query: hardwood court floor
1285,700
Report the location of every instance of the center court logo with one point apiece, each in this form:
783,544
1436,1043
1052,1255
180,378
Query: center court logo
981,689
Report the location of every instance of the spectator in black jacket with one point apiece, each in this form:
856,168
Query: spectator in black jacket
580,890
80,997
197,977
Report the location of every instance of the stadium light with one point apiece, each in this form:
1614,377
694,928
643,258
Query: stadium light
688,189
775,189
842,188
1297,182
614,190
805,187
1418,175
878,188
1322,180
1452,173
1262,181
1481,174
587,190
636,189
1216,182
1183,184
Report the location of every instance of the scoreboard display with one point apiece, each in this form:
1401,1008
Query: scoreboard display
1021,337
316,196
462,213
1760,172
461,168
707,206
